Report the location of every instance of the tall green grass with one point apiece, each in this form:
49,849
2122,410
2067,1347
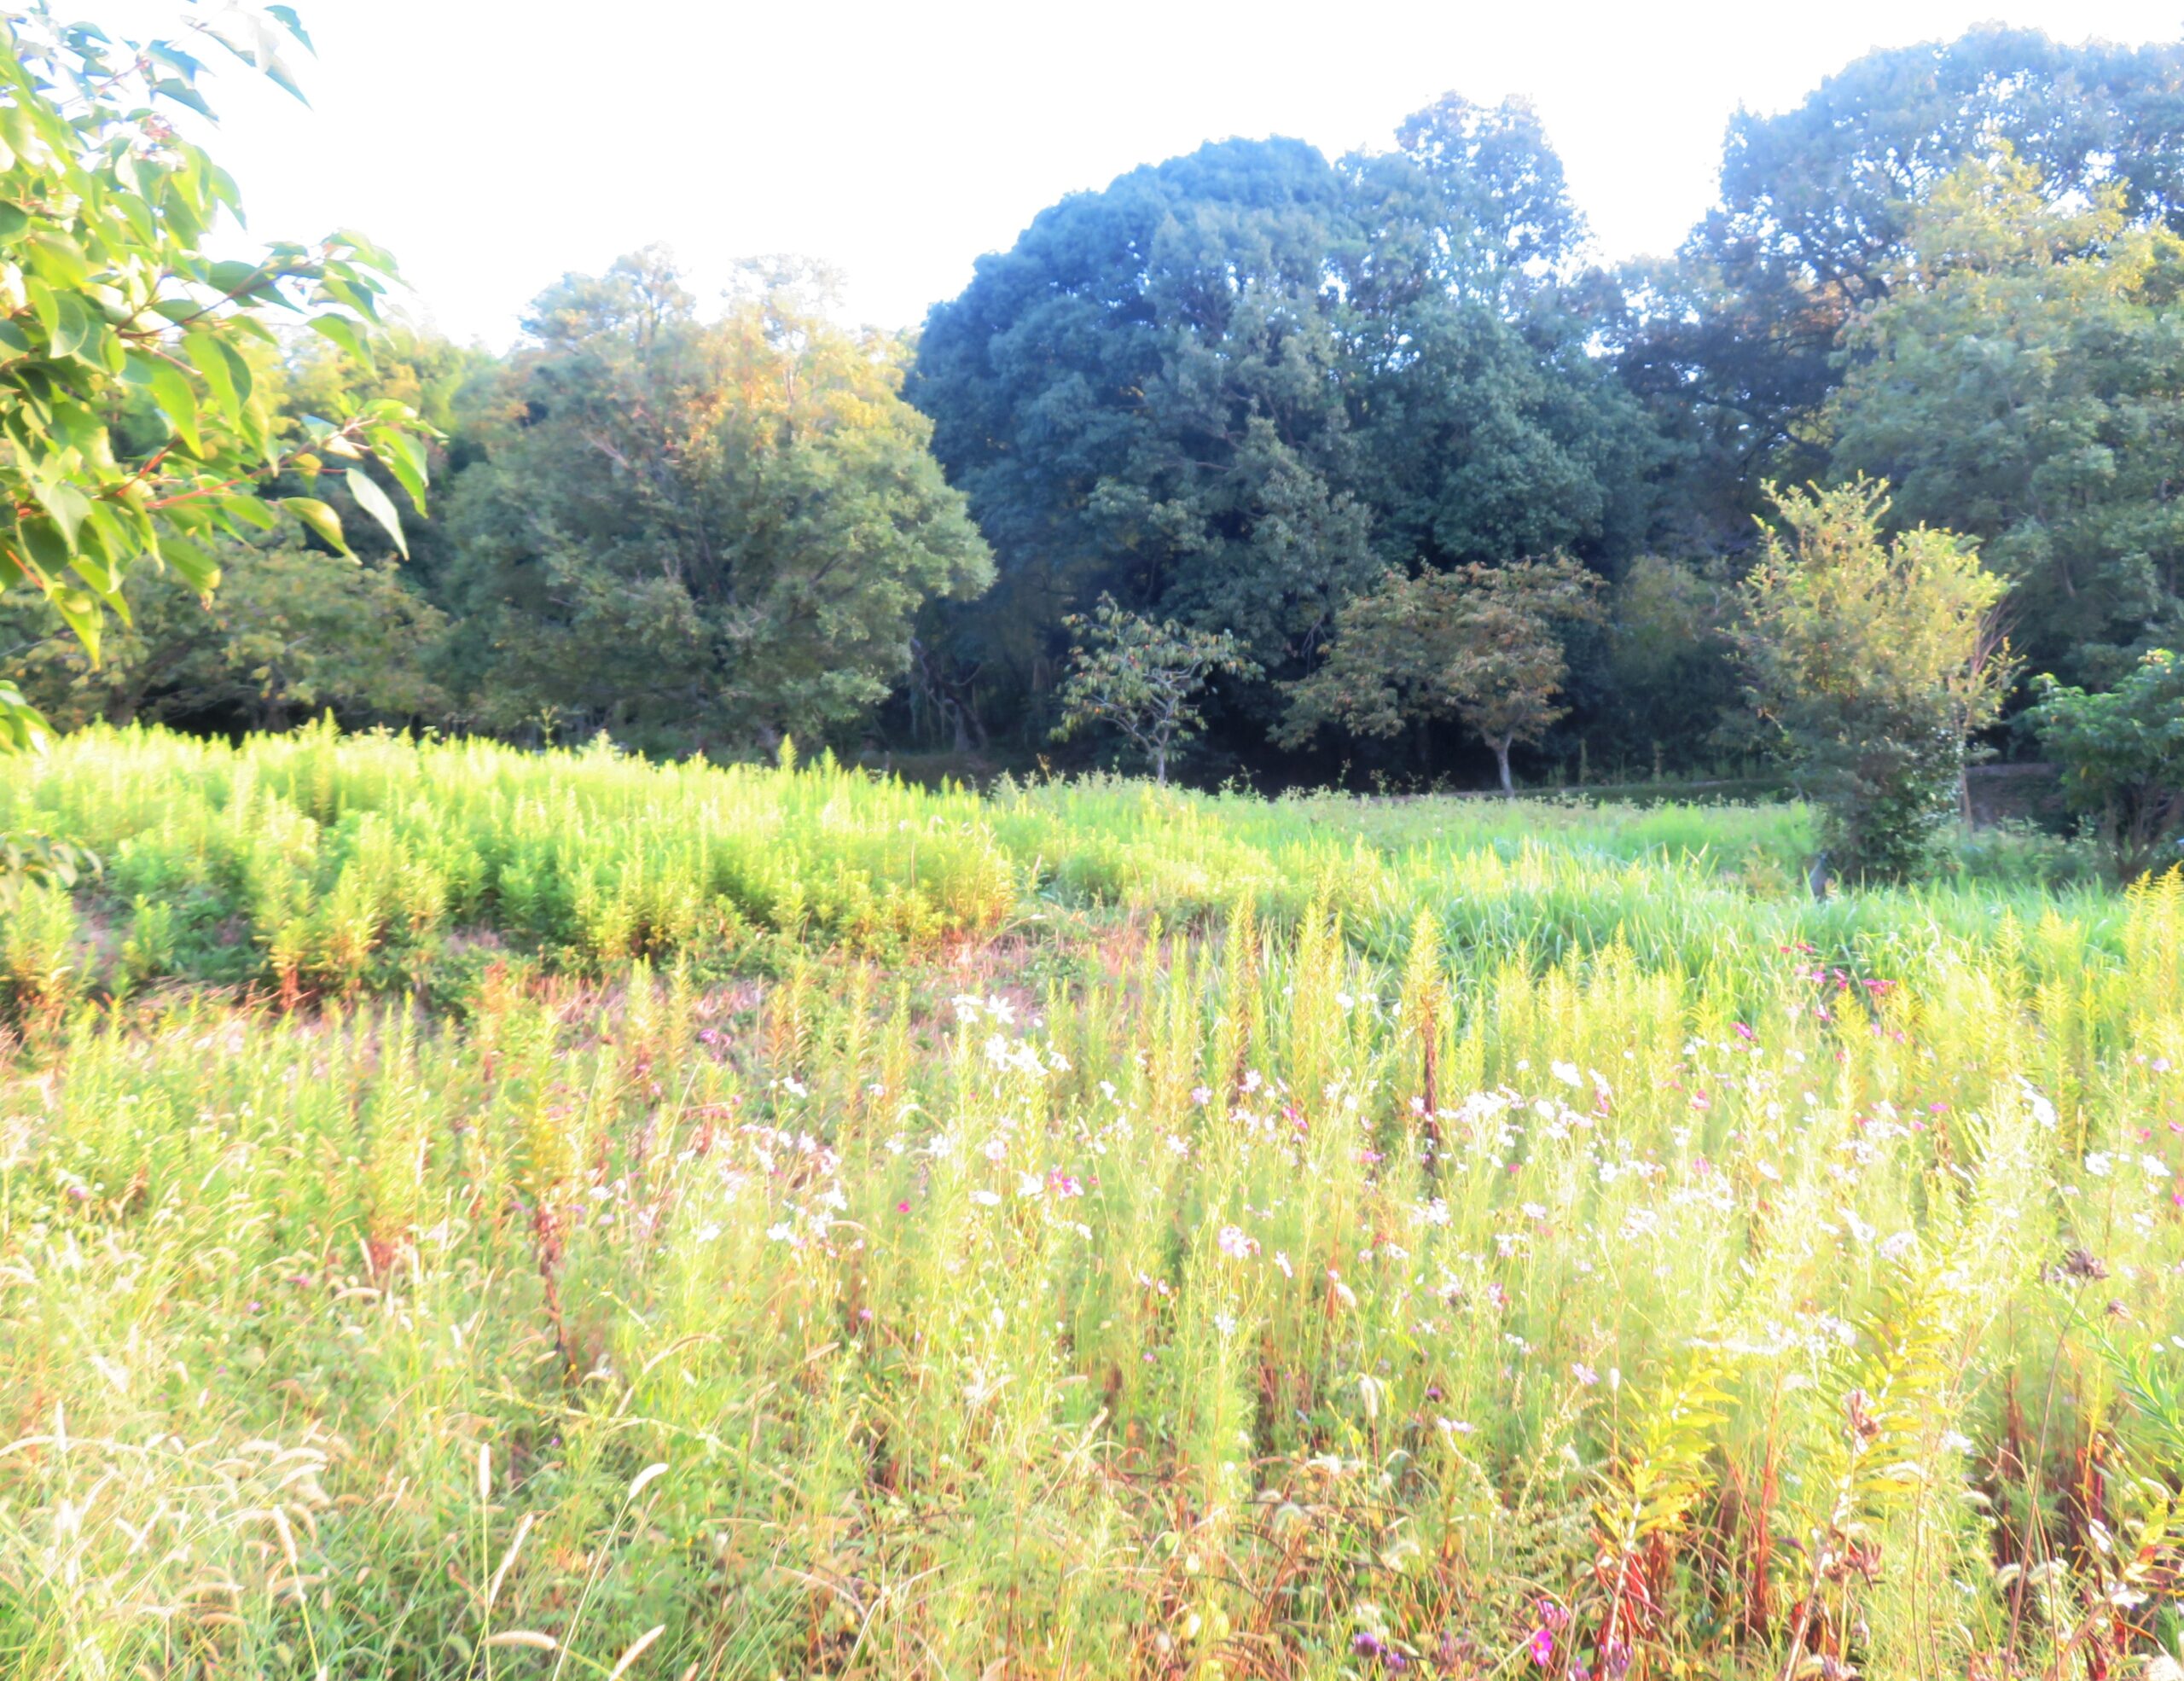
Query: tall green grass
314,864
1086,1231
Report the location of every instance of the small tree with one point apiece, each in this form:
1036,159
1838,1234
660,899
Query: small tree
1482,643
1874,659
1143,678
2122,757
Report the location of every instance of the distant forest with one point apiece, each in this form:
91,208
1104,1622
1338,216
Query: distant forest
1242,390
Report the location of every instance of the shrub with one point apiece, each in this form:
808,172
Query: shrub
2122,757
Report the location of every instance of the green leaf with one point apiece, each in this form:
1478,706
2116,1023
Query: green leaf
320,518
365,251
211,359
43,545
405,459
192,564
178,403
58,259
73,327
339,330
239,280
243,508
80,612
360,299
67,504
373,500
21,729
14,218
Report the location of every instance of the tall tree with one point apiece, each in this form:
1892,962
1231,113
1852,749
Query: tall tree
701,535
1143,397
2022,381
1817,203
1232,388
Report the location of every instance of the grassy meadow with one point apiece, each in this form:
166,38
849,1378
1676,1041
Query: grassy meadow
466,1213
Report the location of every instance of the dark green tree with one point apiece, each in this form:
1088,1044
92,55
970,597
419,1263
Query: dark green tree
1233,387
1143,397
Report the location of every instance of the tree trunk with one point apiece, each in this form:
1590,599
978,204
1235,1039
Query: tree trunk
1502,761
1160,765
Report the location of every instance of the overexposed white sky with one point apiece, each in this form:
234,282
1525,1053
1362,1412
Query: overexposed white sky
493,145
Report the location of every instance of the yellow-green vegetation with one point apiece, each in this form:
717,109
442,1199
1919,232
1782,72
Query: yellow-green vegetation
468,1212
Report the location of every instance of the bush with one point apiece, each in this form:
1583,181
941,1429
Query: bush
2122,757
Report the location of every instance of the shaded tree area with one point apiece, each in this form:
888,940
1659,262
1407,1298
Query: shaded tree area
1236,387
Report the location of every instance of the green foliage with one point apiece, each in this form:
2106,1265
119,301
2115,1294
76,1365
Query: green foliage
1736,343
1484,644
41,964
1670,671
28,858
701,535
1483,1234
290,633
1874,659
138,427
1130,674
2122,757
1232,388
2024,382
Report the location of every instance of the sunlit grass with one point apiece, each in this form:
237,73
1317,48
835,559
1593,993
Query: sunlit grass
1089,1231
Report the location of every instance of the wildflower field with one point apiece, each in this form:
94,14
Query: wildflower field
472,1213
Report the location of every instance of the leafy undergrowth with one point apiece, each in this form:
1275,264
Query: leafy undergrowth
1272,1251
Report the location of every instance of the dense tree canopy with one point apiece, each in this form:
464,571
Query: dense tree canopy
1323,415
1144,397
1741,335
2024,381
1234,387
291,632
698,535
